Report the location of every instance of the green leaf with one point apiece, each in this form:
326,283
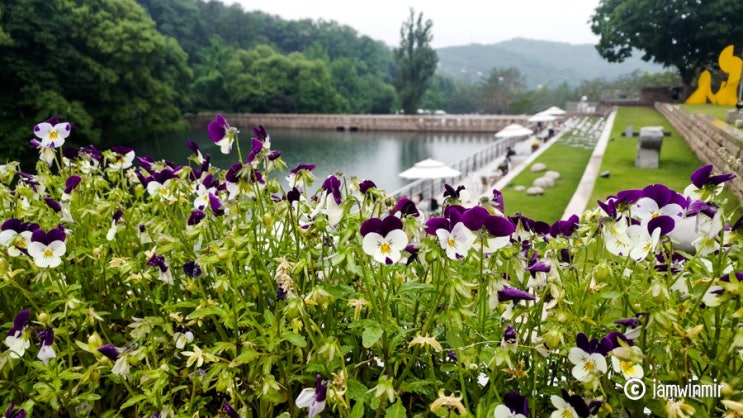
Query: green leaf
613,294
358,410
294,338
356,390
200,313
371,335
415,287
133,401
396,411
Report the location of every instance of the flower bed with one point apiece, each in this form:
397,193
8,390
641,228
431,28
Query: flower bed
167,290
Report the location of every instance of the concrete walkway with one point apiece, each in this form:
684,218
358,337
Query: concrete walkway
579,201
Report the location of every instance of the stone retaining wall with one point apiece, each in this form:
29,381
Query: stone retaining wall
713,141
439,123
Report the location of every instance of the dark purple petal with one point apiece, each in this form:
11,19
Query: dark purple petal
390,223
35,143
321,388
231,413
121,150
218,128
192,269
593,407
332,185
534,265
293,195
509,335
256,148
118,215
474,218
260,132
629,196
513,294
155,260
53,204
721,178
308,167
71,183
665,223
700,176
660,193
215,204
498,200
46,336
628,322
499,227
451,192
371,225
581,341
565,227
436,223
406,207
19,322
12,224
611,341
273,155
39,235
365,185
193,146
454,214
196,217
517,403
109,351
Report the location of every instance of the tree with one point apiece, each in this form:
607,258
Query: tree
685,34
100,64
502,87
416,61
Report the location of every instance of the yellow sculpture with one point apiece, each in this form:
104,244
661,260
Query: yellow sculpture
727,94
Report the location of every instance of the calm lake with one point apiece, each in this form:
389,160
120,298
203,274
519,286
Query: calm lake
379,156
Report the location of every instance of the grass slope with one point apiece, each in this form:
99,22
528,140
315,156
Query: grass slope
570,161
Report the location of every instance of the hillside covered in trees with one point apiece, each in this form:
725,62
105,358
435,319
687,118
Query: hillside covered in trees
123,70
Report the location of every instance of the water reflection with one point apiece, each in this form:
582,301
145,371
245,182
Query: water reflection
379,156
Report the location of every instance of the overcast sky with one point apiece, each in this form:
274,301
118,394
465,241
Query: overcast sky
455,22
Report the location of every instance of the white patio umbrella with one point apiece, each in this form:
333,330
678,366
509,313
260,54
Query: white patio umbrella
513,130
554,110
429,169
542,117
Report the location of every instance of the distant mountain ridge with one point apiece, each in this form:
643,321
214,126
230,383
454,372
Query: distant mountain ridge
544,63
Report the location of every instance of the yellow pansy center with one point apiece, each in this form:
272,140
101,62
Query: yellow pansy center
385,248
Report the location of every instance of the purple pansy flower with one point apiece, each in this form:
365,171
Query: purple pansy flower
46,352
15,339
16,236
47,248
384,239
314,398
222,134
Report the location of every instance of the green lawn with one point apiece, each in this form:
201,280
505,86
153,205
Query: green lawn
570,161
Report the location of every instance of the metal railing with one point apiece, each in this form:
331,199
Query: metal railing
466,166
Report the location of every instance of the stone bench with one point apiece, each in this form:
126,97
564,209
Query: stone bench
648,147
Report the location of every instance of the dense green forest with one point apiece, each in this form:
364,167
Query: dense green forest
123,70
